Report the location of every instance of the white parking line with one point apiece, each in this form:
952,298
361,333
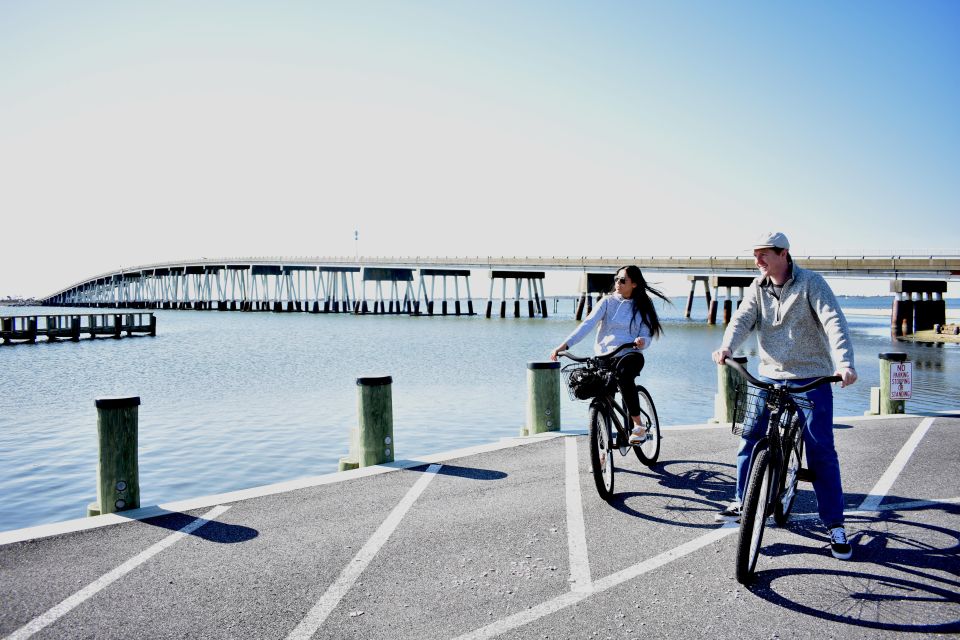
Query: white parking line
576,530
573,597
335,592
107,579
880,490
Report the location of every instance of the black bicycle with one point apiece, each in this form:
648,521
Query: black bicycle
592,379
776,465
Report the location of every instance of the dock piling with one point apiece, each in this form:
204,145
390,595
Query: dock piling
543,398
373,441
881,402
728,381
118,475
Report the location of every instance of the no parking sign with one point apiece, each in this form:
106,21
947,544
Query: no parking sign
901,380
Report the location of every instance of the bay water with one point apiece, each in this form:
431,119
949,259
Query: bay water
236,400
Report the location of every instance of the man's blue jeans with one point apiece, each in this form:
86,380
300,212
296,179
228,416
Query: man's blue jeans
820,453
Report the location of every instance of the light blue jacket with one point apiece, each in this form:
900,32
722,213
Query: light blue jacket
613,314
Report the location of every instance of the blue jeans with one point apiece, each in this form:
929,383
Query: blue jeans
820,452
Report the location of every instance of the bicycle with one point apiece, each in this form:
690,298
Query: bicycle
593,379
776,465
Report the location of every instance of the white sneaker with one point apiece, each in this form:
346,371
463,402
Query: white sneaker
638,435
730,514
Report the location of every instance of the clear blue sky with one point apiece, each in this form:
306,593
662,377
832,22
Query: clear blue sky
134,132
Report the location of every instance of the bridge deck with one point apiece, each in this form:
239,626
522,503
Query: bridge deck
892,266
511,540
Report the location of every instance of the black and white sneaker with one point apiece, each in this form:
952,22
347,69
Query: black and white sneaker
839,546
730,514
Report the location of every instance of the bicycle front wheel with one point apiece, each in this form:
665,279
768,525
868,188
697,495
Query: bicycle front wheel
787,492
753,516
601,453
649,451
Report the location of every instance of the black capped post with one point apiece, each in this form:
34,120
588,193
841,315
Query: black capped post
118,474
729,381
543,398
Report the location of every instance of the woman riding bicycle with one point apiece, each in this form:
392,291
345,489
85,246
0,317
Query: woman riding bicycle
626,315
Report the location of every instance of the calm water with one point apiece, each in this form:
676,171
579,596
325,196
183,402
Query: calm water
236,400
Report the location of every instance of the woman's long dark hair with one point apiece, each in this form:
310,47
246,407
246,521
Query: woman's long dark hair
642,303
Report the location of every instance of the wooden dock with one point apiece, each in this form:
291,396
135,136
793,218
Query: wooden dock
27,328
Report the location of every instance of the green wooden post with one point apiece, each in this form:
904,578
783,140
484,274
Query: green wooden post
118,475
543,398
728,380
375,410
888,406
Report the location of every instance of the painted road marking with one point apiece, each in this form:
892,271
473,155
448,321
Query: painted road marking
576,529
879,492
107,579
573,597
335,592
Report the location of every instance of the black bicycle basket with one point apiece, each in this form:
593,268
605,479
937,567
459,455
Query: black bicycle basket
750,411
584,381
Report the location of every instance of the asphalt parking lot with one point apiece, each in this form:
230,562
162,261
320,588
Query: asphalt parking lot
511,541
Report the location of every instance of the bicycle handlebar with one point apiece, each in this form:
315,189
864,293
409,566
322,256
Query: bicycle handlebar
567,354
730,362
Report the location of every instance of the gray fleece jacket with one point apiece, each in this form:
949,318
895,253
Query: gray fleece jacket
802,335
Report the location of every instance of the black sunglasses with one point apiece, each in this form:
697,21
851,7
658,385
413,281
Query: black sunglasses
620,280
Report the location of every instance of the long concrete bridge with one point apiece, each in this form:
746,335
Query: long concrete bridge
329,283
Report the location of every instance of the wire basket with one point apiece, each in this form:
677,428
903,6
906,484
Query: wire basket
751,409
584,381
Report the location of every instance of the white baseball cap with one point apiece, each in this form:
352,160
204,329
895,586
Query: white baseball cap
772,239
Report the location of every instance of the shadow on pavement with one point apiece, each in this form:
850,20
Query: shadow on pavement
213,531
470,473
903,575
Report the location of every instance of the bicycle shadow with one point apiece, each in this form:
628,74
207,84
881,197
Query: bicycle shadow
903,576
712,480
692,494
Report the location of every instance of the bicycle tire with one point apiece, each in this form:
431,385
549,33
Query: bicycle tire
601,454
789,480
649,451
753,517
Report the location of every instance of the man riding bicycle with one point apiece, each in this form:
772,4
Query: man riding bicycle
802,334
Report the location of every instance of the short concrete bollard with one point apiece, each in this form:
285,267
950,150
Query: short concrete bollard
880,401
118,474
372,442
543,398
728,380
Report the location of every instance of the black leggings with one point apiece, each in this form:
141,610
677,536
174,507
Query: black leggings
627,368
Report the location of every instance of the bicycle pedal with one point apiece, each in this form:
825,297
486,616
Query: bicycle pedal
805,475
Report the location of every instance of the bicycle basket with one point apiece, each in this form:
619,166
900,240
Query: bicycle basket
584,382
750,414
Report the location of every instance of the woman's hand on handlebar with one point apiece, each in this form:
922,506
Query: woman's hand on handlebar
555,352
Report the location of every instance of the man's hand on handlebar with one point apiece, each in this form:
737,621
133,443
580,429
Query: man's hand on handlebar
847,376
722,354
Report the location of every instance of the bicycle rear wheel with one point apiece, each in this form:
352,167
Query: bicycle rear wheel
649,451
601,453
787,492
753,516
